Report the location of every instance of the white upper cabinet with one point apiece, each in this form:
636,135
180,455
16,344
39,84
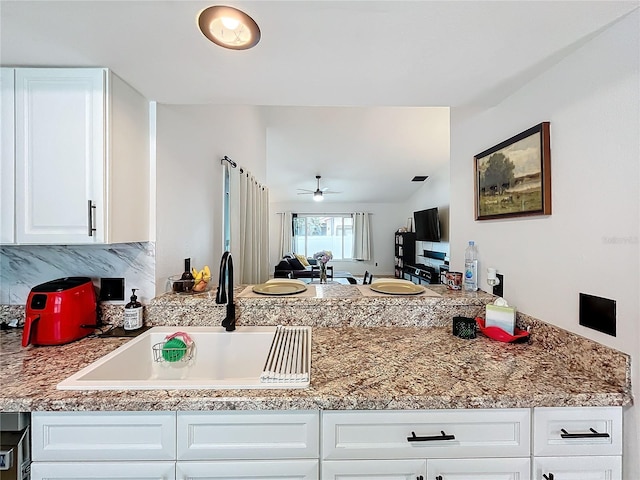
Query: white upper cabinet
81,158
7,155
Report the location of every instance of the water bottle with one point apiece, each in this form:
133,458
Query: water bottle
471,268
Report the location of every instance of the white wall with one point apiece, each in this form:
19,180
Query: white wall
590,242
191,140
385,220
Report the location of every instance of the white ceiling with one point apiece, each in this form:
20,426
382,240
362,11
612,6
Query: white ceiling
465,54
368,154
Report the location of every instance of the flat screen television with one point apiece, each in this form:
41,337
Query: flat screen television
427,225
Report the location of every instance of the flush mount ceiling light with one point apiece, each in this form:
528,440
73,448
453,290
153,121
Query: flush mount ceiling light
229,27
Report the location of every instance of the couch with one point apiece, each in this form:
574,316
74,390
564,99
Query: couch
291,267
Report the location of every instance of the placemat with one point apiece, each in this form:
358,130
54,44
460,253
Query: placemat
249,293
121,332
367,292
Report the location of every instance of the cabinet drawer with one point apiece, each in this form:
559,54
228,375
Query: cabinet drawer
90,436
479,469
249,469
578,468
550,440
244,434
407,469
385,434
103,471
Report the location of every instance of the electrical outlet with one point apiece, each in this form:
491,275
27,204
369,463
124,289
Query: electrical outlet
499,289
111,289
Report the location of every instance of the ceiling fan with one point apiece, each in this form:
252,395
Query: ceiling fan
318,194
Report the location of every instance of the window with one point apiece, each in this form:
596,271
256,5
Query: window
314,233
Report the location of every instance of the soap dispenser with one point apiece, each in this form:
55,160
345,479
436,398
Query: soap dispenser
133,313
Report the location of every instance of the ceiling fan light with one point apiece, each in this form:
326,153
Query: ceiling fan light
230,23
229,27
317,196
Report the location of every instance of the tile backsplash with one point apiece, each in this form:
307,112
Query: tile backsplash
25,266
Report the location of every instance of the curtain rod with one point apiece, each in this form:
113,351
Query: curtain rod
232,163
227,159
316,214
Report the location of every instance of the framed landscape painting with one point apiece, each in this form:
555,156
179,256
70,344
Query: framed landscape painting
513,178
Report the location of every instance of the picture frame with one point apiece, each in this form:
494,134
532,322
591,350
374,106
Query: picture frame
513,178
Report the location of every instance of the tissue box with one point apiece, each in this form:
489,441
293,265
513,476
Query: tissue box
501,317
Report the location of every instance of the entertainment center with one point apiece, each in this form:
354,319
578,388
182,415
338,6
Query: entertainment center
427,225
408,268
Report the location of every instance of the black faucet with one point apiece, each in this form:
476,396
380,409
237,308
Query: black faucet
225,283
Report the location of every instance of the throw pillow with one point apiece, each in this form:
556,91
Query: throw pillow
283,265
295,264
303,259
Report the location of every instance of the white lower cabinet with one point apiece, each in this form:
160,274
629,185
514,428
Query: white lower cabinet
426,434
431,469
406,469
491,444
169,445
103,470
248,469
247,435
103,436
479,469
578,468
474,444
577,443
250,445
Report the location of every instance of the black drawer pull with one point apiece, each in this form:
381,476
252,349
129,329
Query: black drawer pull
444,436
550,477
593,434
439,477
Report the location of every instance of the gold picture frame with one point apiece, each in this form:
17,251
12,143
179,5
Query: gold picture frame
513,178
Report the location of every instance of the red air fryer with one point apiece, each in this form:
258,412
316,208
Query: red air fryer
60,311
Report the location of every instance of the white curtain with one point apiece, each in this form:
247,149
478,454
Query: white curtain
251,249
286,233
361,236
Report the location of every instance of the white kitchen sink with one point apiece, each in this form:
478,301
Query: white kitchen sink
218,360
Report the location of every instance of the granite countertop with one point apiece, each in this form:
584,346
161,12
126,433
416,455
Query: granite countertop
318,293
330,305
353,367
